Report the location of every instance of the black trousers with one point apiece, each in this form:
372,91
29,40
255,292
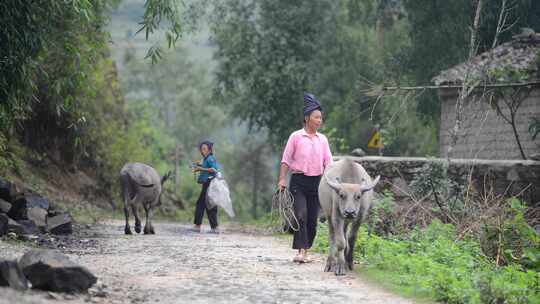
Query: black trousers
201,206
305,190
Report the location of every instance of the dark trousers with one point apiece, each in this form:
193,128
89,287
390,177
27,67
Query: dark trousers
201,206
305,190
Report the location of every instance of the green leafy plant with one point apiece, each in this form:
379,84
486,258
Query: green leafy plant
509,239
445,193
381,219
433,262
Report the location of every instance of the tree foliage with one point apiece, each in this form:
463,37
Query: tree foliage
440,31
59,90
42,42
264,57
268,53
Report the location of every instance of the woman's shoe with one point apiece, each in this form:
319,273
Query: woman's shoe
215,231
302,257
307,259
298,259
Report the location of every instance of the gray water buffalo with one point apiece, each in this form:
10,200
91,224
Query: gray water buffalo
140,184
345,194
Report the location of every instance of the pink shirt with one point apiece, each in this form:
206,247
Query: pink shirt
307,154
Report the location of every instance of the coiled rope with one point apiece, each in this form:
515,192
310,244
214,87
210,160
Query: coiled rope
282,203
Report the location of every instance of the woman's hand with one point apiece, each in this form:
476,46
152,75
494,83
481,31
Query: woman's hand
282,184
195,167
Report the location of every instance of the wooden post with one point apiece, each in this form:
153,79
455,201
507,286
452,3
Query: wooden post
380,147
177,166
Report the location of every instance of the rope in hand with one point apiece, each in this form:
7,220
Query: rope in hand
282,202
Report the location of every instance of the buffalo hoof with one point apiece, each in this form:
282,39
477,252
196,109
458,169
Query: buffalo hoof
138,228
340,269
330,266
127,230
149,230
349,261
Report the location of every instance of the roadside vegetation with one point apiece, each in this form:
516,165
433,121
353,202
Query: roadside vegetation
474,251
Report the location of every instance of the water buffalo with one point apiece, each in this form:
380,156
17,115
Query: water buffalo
345,194
140,184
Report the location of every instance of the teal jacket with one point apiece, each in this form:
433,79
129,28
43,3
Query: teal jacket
208,162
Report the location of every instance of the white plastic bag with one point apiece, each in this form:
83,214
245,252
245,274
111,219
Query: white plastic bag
218,195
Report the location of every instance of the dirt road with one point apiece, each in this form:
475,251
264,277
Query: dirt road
178,266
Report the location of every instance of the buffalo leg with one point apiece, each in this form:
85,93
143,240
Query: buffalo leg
127,230
137,218
148,228
124,194
340,268
352,235
331,260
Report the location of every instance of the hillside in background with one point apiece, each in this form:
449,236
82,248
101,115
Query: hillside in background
175,97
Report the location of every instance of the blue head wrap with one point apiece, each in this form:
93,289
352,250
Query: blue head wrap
311,104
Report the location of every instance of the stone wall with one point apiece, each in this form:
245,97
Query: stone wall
484,134
506,176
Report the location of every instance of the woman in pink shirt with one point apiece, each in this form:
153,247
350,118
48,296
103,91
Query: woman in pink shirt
306,155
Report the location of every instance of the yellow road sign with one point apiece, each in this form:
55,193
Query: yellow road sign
375,141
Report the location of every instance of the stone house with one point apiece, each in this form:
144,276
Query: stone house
503,102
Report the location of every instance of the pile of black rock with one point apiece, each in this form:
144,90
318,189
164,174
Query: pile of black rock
46,270
26,214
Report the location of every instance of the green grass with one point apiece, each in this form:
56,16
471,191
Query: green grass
428,264
392,283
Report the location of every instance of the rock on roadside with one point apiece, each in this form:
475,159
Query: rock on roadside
53,271
11,275
358,152
22,207
22,227
60,224
4,206
4,222
5,190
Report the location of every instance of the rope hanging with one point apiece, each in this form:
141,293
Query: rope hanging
282,203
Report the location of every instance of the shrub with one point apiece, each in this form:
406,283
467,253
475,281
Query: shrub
433,260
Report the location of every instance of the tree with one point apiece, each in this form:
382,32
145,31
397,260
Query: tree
252,171
267,55
264,59
50,54
180,92
29,31
178,16
440,35
439,39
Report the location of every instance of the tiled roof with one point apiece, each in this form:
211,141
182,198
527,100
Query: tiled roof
522,53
